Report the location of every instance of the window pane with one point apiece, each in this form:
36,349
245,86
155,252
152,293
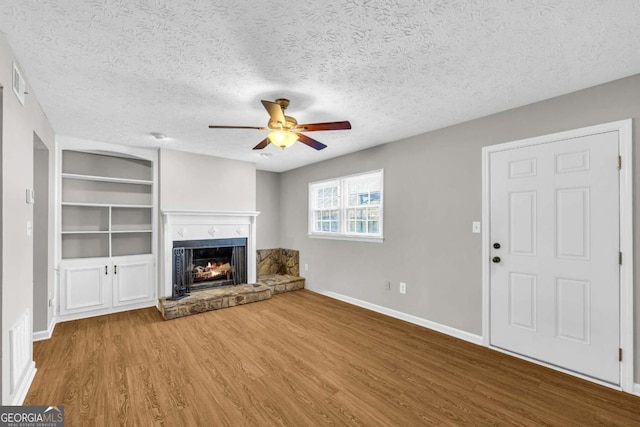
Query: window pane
374,198
364,190
357,213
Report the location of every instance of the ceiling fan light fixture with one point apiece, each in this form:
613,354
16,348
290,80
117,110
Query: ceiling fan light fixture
282,138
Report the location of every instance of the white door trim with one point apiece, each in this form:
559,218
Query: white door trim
624,127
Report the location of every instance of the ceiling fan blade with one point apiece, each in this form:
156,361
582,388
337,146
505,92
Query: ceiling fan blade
310,127
311,142
275,111
262,144
237,127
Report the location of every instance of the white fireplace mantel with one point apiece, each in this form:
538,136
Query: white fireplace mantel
199,225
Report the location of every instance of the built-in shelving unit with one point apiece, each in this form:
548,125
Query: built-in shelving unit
107,230
106,205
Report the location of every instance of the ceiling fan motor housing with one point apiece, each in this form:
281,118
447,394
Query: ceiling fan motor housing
290,122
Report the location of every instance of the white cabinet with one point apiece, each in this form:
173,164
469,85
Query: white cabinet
85,286
132,280
106,230
102,283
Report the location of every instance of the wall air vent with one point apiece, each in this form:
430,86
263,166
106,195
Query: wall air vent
19,85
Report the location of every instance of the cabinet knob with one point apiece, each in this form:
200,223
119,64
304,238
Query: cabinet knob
496,259
496,246
106,270
115,269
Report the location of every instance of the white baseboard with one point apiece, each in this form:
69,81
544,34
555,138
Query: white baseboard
105,311
636,389
448,330
45,335
23,388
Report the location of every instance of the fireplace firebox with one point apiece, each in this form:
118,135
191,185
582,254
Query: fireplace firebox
201,264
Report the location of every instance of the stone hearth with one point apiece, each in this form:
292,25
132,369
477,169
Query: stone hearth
214,299
280,283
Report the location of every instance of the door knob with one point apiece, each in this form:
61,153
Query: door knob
496,246
496,259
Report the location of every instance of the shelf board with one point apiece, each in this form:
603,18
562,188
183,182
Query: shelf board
146,230
105,205
106,179
83,232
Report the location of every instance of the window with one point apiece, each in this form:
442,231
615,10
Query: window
348,207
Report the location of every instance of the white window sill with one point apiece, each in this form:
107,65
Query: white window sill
347,237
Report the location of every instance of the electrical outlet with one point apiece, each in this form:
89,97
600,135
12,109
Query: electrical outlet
403,288
475,227
306,267
387,286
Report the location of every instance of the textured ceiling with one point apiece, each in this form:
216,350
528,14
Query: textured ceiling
115,70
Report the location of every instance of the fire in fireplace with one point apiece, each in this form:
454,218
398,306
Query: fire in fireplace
200,264
212,267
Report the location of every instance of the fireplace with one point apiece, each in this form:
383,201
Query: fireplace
212,229
208,263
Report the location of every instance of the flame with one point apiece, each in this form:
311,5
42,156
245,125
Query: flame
212,270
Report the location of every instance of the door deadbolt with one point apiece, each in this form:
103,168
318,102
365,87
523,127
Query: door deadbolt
496,246
496,259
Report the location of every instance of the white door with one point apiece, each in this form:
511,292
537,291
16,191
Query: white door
84,285
554,291
132,280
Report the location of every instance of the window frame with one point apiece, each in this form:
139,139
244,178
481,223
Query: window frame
342,183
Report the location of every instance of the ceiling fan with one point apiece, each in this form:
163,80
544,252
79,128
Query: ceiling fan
285,130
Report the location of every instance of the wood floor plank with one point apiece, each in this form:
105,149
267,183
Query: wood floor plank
300,359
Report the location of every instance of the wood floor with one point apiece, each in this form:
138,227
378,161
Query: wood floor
300,359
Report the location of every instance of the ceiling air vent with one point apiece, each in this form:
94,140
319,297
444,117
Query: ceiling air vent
19,85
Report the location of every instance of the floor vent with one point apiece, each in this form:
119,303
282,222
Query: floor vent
20,350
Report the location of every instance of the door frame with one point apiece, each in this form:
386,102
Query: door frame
625,129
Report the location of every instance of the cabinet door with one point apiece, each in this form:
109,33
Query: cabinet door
132,281
84,286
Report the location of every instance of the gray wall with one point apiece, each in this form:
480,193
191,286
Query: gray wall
432,194
41,265
268,204
20,122
191,181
